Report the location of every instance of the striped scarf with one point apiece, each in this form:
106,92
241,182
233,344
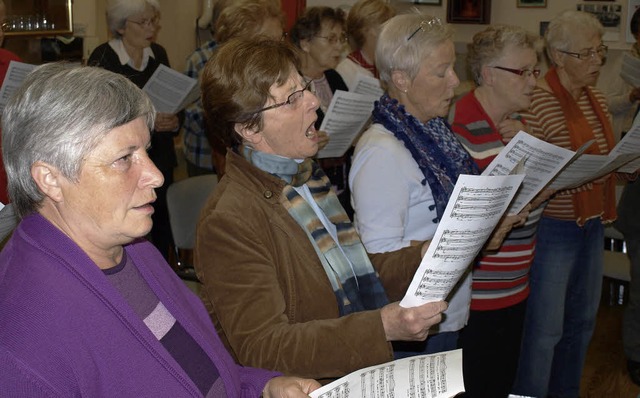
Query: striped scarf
433,146
353,279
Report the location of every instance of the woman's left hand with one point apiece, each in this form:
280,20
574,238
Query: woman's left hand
166,122
502,230
508,128
289,387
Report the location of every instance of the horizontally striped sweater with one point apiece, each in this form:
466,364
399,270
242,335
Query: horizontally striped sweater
500,279
548,122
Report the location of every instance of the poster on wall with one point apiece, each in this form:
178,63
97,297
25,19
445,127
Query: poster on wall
609,15
633,6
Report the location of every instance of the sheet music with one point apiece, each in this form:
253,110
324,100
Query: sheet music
16,74
425,376
541,162
630,143
347,114
623,157
171,91
473,211
630,70
367,85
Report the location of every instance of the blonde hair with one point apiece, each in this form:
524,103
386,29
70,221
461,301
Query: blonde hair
363,15
245,18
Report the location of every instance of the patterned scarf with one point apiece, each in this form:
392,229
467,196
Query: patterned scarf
600,200
434,147
353,279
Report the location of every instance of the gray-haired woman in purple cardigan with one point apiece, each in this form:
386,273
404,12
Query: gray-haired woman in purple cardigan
87,307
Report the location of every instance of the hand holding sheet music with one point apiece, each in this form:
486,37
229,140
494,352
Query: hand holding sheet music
434,376
476,206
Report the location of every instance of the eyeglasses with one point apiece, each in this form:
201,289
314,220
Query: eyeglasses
601,51
293,99
426,25
521,72
145,23
333,40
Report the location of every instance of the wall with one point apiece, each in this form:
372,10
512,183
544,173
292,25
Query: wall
178,33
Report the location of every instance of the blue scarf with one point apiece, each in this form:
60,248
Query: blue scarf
353,279
433,146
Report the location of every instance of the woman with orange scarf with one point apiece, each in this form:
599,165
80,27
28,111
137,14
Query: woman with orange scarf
566,274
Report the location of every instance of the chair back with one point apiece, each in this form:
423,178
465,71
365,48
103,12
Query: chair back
185,199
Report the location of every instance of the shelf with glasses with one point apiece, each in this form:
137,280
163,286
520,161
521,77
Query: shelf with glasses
38,18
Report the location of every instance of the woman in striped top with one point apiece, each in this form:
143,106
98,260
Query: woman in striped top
503,62
566,273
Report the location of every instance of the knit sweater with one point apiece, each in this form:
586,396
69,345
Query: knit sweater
547,120
68,332
500,279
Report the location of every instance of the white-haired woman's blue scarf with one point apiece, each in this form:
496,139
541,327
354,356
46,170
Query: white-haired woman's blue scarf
433,146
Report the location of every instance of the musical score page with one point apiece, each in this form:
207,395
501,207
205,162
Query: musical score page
429,376
344,120
16,74
540,160
171,91
368,86
473,211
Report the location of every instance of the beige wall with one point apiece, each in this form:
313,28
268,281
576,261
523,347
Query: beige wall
178,33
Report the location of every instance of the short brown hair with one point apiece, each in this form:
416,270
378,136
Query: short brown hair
365,14
236,82
245,18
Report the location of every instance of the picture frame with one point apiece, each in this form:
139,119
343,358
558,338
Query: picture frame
469,11
428,2
531,3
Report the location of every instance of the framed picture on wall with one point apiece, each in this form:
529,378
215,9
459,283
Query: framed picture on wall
531,3
428,2
469,11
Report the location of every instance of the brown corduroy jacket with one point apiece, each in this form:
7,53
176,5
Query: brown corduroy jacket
266,289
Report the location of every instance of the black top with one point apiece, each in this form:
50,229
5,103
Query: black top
162,150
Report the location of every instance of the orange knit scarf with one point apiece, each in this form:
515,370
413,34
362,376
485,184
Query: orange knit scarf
600,199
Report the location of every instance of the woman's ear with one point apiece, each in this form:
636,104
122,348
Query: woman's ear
305,45
48,180
400,80
556,57
487,75
252,136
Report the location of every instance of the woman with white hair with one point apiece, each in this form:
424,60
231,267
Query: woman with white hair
411,151
566,273
503,60
133,53
88,308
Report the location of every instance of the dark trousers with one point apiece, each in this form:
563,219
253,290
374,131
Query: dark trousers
490,348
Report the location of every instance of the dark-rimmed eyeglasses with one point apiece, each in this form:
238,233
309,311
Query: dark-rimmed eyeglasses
292,99
521,72
426,25
146,23
601,51
333,40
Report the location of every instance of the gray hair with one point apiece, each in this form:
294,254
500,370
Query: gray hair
489,45
118,11
58,116
405,40
568,25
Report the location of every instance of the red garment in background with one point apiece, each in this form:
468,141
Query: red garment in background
292,10
5,58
